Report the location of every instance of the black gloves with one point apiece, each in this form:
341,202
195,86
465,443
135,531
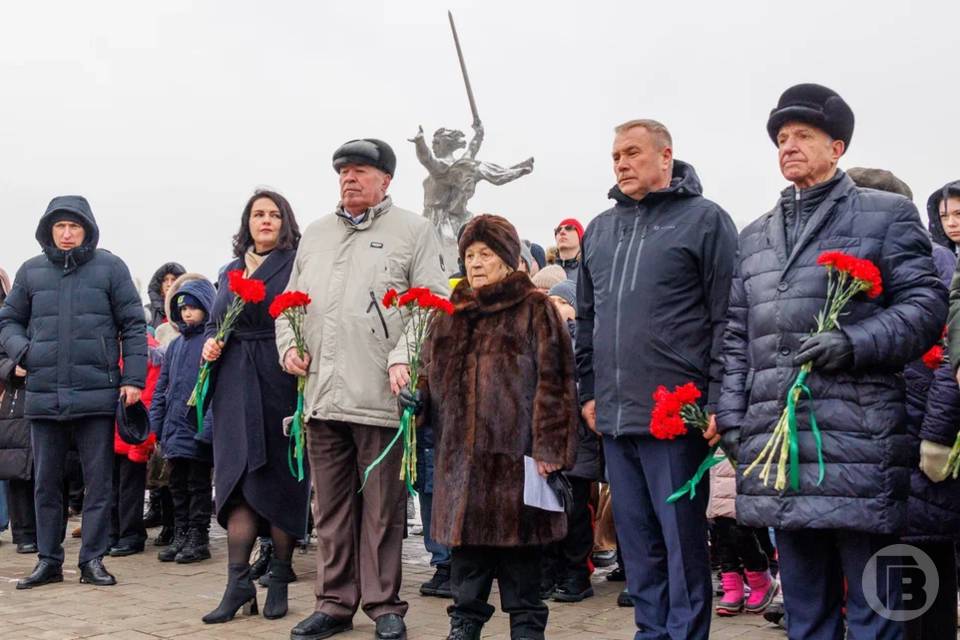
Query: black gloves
410,400
829,351
730,443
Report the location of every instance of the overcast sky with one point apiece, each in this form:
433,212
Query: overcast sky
168,115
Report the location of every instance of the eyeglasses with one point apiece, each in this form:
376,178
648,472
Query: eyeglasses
564,227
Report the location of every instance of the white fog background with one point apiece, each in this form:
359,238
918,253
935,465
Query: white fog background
167,116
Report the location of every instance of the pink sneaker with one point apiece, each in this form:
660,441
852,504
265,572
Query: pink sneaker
763,589
732,601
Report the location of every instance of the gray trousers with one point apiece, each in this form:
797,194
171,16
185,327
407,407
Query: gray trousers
94,440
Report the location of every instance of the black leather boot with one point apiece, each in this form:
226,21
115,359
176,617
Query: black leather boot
261,565
169,554
195,549
462,629
281,575
240,593
93,572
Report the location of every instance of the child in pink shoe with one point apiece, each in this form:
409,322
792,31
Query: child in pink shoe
738,549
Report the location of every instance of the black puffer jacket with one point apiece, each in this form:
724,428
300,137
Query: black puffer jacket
652,300
156,308
773,304
16,455
66,319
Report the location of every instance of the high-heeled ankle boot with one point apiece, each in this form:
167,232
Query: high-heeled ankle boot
281,575
240,593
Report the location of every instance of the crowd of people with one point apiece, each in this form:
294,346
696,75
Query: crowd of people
546,371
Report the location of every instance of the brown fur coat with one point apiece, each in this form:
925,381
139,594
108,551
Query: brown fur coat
499,383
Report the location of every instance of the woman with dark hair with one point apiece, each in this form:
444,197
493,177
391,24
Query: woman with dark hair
250,396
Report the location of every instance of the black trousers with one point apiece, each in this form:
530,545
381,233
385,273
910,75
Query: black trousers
940,620
23,516
191,491
129,485
568,557
517,570
51,441
738,547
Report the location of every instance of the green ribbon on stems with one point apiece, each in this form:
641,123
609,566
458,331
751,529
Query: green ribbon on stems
792,399
690,486
203,383
407,433
295,449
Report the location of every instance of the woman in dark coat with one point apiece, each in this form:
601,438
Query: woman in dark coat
499,384
251,396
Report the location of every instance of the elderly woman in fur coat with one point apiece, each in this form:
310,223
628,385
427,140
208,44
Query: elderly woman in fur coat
498,385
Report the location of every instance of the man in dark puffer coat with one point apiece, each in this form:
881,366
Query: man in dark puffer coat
828,531
71,312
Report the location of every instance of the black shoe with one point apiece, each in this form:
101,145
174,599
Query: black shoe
617,575
573,589
461,629
604,558
547,588
125,549
439,585
44,573
153,518
280,576
240,593
623,600
174,547
195,549
165,537
774,614
261,565
93,572
319,626
27,547
390,626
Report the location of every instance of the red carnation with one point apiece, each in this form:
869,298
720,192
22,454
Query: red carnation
687,394
390,297
288,300
668,427
933,358
247,289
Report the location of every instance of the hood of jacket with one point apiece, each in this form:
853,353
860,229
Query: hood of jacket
155,288
684,183
949,190
79,206
203,291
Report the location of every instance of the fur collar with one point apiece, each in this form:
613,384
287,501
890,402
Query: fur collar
492,298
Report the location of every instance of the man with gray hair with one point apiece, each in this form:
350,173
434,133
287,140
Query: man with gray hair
655,271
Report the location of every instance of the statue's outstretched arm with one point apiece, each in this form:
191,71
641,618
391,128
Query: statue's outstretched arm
424,155
497,175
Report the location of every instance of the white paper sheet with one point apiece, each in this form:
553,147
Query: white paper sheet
536,492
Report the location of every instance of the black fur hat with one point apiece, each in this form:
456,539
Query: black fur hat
369,151
816,105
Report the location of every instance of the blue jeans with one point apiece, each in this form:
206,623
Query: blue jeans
439,554
664,545
4,515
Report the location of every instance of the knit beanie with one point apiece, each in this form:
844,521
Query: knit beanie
549,276
566,290
573,222
497,233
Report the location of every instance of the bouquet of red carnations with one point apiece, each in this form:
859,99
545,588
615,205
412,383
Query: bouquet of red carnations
420,305
293,306
245,290
674,411
847,276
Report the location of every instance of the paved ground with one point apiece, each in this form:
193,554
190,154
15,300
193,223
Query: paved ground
158,600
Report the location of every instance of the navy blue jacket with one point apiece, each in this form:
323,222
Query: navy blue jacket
169,413
774,300
652,300
66,320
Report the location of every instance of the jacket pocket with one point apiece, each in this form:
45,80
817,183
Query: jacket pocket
106,359
375,306
838,242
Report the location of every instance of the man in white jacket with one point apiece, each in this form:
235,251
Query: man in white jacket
356,364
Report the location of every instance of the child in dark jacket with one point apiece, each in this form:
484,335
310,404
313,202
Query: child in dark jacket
189,457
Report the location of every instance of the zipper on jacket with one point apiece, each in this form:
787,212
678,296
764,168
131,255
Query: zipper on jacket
106,359
376,305
616,329
636,261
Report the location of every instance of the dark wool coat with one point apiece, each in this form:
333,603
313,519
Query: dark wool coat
169,414
250,397
16,454
66,320
861,412
499,381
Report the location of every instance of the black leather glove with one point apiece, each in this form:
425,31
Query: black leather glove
408,399
730,443
830,351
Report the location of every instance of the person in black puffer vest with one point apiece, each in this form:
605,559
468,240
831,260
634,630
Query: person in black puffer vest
828,531
71,313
